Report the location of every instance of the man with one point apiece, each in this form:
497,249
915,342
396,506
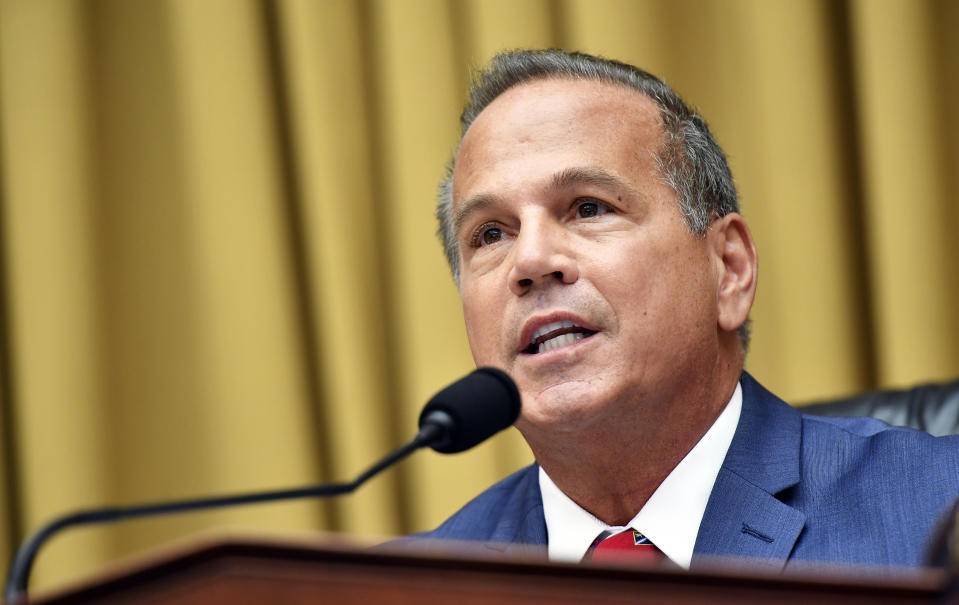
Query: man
592,226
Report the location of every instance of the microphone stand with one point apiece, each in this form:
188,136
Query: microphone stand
22,563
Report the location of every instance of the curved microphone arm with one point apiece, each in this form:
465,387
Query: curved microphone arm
19,574
463,414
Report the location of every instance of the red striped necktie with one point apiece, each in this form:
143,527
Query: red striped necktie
627,546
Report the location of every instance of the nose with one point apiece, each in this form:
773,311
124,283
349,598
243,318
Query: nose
541,255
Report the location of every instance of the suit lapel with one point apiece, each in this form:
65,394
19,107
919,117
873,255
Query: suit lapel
747,521
743,517
522,526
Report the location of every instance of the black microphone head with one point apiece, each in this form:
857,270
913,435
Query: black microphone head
472,409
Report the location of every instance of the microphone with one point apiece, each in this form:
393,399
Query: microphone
464,414
472,409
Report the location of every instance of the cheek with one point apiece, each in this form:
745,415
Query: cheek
662,288
480,314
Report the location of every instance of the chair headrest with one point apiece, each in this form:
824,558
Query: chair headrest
933,408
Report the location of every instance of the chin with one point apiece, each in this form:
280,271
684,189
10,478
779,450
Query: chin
566,407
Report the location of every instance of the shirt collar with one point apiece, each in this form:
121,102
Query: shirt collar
672,515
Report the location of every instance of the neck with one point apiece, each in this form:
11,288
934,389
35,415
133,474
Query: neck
612,467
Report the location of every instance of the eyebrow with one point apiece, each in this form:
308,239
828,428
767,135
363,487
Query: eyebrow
586,175
561,180
468,207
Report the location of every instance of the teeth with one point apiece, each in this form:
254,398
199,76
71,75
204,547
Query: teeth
556,341
556,325
560,341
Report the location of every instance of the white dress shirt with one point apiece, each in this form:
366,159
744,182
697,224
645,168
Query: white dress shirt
672,515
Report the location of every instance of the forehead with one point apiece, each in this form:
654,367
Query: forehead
580,122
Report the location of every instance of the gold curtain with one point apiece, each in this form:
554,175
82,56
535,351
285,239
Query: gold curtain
219,269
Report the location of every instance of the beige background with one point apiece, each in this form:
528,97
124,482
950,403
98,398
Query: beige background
219,270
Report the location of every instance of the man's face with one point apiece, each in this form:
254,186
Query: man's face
579,275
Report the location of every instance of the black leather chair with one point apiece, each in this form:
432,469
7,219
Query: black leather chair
933,408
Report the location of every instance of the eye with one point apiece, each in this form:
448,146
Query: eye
590,208
486,235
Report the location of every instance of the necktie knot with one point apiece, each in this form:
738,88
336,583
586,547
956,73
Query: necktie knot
626,546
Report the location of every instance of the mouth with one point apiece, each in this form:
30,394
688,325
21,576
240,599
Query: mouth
555,335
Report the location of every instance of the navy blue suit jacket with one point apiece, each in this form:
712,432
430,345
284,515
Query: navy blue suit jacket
792,488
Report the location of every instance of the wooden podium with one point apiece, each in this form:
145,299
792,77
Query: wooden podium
241,571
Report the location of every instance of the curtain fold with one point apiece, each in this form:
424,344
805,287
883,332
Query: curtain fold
57,424
907,133
219,259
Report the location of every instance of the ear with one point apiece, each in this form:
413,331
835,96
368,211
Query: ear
737,264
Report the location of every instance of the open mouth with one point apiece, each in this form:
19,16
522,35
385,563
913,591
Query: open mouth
555,335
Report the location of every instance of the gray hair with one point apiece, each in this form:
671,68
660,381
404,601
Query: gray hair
691,161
